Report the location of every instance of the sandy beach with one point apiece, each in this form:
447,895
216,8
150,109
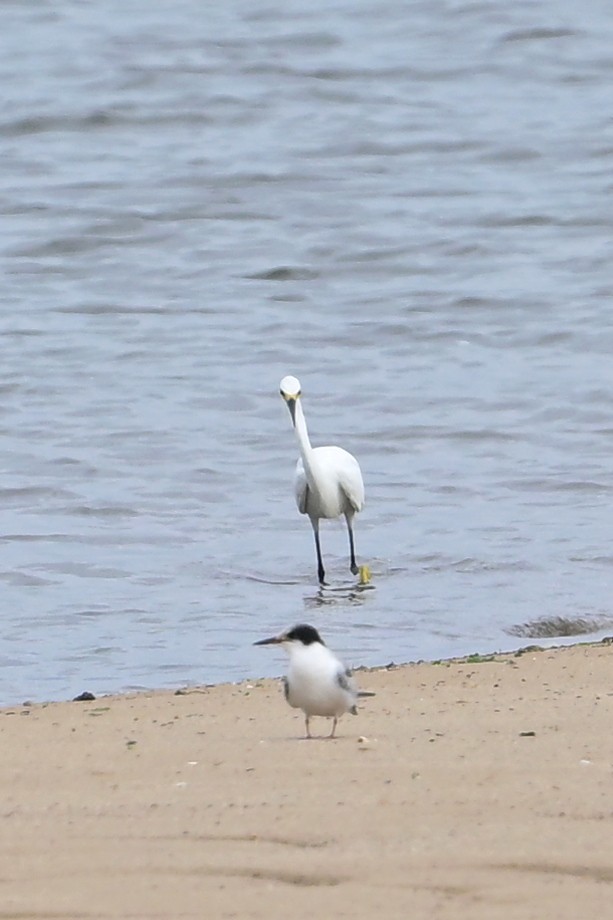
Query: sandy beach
464,789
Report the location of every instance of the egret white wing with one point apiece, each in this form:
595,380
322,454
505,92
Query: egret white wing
350,479
301,488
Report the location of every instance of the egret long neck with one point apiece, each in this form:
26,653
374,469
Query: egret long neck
306,451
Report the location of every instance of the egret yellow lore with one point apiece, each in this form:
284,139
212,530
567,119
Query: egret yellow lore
328,480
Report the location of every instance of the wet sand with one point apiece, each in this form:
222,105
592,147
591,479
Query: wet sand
473,790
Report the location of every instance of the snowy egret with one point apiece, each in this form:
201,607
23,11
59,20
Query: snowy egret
328,481
317,681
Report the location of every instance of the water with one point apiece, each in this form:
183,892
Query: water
408,205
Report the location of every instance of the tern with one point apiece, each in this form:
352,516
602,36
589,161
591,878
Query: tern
317,681
328,480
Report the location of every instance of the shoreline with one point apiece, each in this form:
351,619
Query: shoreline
182,690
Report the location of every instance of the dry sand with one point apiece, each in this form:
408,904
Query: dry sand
467,789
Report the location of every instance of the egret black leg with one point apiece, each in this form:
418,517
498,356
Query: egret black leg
320,566
352,564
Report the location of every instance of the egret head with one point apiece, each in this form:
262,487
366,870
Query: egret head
290,391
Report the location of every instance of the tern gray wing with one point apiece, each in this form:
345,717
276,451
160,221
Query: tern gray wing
345,681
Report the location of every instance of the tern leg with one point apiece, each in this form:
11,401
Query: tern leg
320,566
331,735
308,730
352,563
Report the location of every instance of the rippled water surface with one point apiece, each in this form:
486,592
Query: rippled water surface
408,205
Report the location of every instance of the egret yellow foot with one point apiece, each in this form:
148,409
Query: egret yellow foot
364,575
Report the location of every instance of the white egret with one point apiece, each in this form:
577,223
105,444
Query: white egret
328,480
317,681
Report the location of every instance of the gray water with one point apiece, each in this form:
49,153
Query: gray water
405,204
